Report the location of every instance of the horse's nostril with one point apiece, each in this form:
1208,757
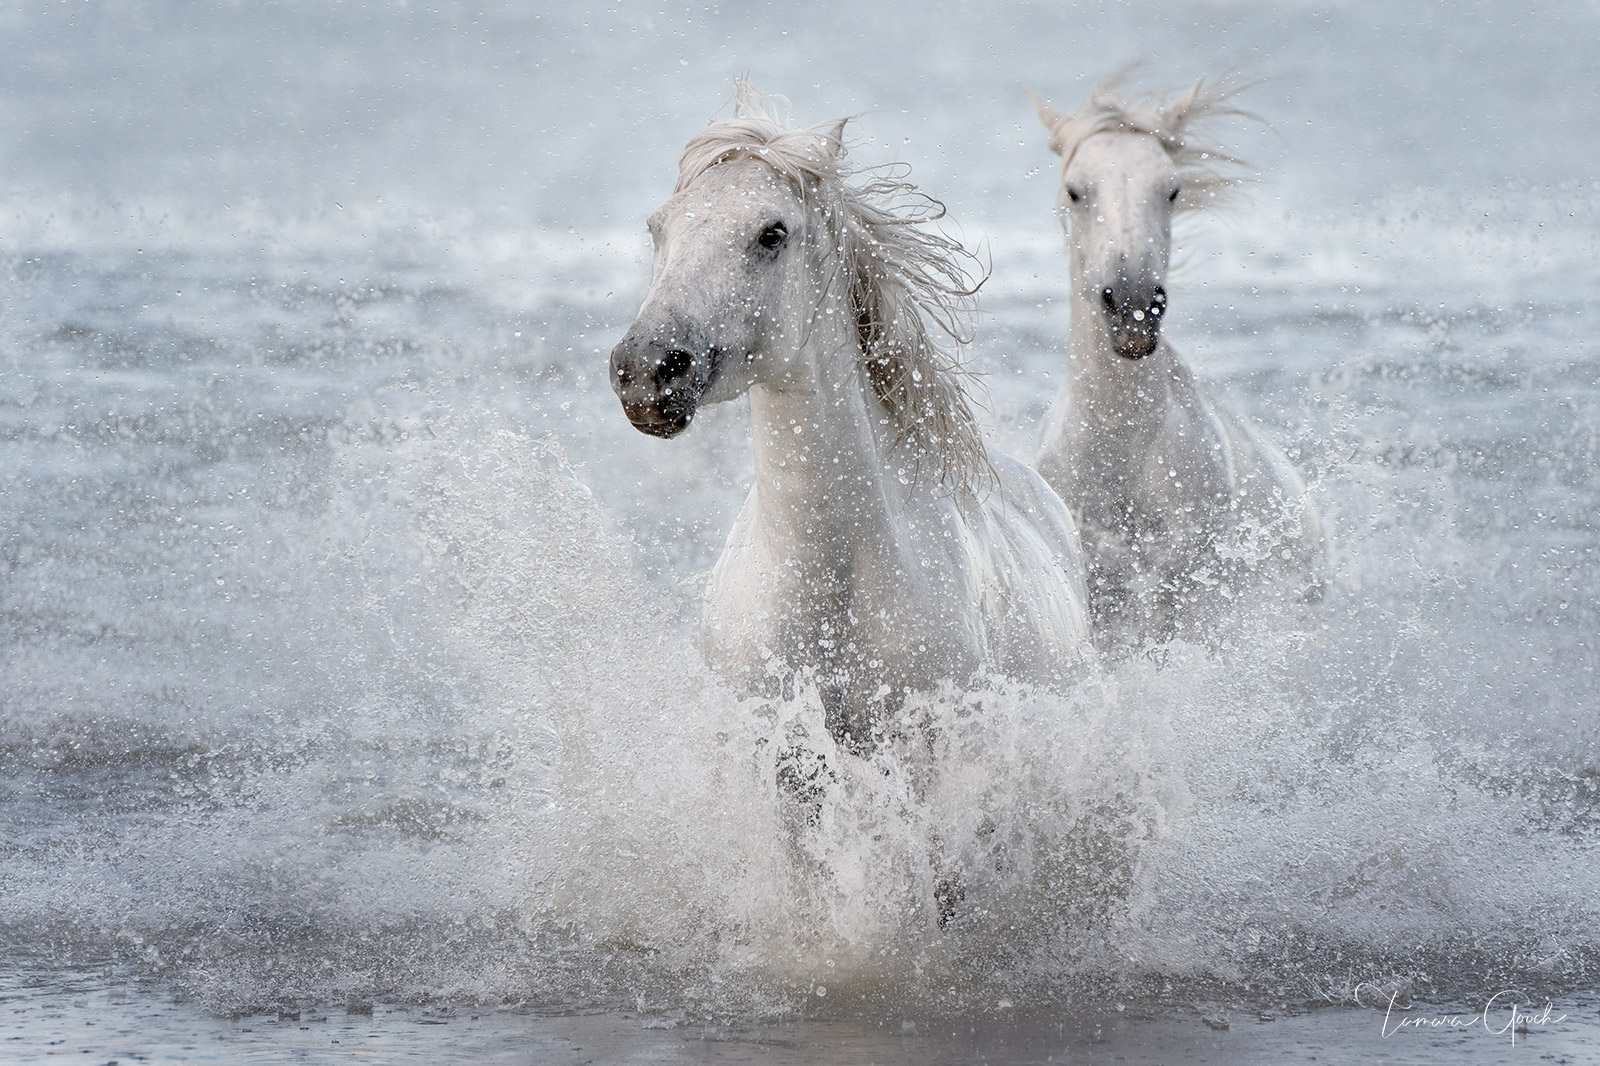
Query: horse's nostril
674,364
1158,302
1108,298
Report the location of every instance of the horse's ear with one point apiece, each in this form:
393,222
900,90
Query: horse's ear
1176,112
1051,118
834,136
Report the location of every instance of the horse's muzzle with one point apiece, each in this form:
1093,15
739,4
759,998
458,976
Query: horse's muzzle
652,419
1135,322
656,381
1136,340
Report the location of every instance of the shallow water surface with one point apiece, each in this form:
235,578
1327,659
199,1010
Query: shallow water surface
107,1021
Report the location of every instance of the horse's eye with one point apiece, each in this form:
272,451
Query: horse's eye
1073,194
773,236
1174,196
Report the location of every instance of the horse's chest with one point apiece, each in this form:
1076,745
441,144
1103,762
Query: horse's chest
850,596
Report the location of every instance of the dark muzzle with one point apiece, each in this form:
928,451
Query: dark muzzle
656,381
1134,318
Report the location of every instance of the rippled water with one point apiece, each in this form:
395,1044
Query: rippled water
345,626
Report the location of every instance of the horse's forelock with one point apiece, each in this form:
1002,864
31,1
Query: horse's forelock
810,155
804,156
1176,120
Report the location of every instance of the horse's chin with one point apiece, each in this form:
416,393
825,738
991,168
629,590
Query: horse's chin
1135,343
650,419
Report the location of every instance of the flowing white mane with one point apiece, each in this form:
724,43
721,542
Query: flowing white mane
901,282
1177,120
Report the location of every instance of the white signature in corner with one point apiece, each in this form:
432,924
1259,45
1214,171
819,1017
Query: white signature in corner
1503,1005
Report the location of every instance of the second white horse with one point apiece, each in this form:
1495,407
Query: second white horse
1180,502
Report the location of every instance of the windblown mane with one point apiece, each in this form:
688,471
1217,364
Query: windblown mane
904,283
1177,120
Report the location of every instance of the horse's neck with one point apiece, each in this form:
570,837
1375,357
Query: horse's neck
822,453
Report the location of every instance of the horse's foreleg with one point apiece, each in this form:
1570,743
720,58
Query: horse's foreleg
803,780
849,720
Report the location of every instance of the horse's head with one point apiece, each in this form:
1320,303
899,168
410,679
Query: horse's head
730,251
771,255
1128,164
1119,191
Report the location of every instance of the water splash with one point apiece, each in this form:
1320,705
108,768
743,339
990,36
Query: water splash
521,784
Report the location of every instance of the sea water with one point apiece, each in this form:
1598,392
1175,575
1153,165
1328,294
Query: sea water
348,669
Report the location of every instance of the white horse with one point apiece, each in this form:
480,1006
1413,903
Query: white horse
881,547
1180,501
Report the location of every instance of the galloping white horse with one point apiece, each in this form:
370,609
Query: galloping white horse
1180,501
881,546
